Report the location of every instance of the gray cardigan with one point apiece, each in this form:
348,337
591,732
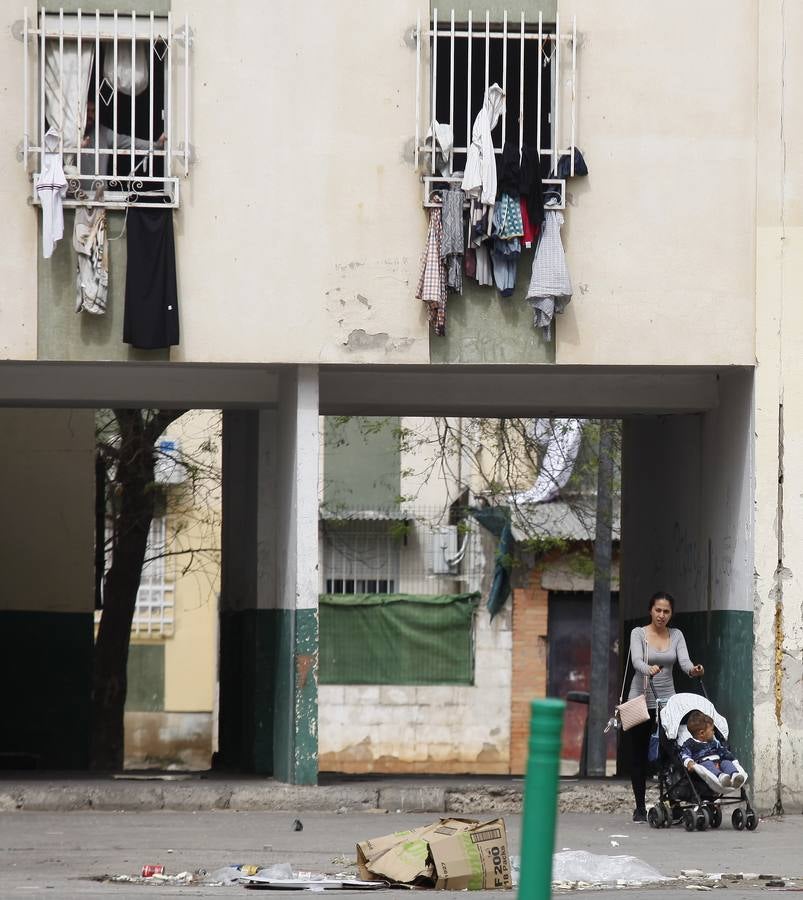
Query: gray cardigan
663,683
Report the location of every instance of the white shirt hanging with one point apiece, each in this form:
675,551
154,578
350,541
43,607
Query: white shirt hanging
479,179
51,188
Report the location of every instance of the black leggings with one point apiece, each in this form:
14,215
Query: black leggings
639,740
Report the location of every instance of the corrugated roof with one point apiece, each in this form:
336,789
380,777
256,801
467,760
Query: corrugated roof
557,518
363,515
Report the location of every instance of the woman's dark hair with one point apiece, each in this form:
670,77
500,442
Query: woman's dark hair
662,595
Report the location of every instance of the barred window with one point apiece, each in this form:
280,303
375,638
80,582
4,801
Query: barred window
533,61
112,92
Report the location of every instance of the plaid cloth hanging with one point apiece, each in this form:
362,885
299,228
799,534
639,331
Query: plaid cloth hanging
432,287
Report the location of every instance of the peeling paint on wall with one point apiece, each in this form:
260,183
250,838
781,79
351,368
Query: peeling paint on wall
360,339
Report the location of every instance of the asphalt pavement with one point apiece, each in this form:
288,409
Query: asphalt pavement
67,854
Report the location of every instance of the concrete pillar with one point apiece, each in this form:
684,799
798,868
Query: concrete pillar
47,486
687,527
778,636
269,585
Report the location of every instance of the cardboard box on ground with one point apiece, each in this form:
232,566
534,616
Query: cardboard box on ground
451,854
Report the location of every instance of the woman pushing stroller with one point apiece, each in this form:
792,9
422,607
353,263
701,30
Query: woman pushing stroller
654,650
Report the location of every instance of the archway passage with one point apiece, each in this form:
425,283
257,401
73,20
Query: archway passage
686,524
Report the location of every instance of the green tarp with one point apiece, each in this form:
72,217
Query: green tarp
396,639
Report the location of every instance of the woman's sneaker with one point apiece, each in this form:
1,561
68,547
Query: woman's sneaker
639,815
737,780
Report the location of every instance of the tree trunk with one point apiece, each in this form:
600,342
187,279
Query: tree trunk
601,605
134,495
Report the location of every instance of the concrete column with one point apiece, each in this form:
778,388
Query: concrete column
47,492
296,491
778,637
269,585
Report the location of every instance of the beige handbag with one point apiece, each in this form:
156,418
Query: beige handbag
633,712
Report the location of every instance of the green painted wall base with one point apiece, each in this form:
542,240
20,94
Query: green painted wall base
268,693
46,678
722,641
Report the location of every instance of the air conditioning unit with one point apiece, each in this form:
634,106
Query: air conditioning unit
442,547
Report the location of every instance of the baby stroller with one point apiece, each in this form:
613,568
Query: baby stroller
684,797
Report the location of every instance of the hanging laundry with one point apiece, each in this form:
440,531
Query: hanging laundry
520,177
507,221
483,274
506,244
453,240
509,170
550,286
531,231
530,186
470,262
564,166
444,144
51,188
505,256
92,276
151,296
432,286
479,223
479,178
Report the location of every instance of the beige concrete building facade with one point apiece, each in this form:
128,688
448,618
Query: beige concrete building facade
298,229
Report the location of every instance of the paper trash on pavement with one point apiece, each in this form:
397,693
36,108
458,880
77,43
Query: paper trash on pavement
451,854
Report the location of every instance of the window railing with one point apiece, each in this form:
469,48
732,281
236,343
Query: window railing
113,91
535,64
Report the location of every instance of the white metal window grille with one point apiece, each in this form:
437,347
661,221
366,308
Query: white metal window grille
360,558
153,614
534,62
72,62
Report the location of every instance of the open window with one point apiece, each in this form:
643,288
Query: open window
109,93
535,64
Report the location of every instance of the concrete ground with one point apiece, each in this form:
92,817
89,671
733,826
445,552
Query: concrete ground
46,854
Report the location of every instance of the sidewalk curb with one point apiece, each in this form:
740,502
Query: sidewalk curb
268,795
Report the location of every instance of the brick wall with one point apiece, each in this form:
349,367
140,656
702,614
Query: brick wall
529,664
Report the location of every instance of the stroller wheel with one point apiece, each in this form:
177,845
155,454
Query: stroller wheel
737,819
656,816
688,820
715,815
701,818
751,821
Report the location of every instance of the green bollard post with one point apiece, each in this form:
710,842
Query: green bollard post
541,800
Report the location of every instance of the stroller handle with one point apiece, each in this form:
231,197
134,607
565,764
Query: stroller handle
652,687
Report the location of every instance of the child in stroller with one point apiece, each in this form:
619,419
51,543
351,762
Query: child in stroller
692,795
704,754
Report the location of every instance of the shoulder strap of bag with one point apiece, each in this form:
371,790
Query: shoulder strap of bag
624,677
646,660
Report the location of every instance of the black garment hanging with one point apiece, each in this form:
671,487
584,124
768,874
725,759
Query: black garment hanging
530,183
508,175
151,296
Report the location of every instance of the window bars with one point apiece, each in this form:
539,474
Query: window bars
154,610
153,615
535,63
125,67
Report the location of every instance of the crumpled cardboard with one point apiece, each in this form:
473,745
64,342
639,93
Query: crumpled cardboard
451,854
